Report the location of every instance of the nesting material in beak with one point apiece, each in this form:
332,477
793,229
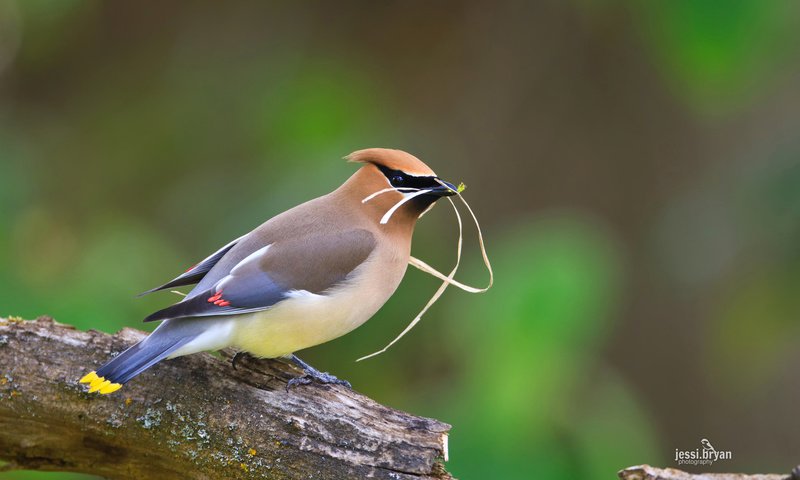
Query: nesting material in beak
447,280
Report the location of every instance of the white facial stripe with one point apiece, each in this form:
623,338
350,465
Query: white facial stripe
386,190
406,198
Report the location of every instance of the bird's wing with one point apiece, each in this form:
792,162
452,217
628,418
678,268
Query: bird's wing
197,272
314,263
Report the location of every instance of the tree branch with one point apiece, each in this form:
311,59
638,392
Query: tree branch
646,472
194,416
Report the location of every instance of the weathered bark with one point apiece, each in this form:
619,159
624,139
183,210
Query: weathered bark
646,472
194,417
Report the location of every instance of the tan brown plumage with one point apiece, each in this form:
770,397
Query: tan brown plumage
304,277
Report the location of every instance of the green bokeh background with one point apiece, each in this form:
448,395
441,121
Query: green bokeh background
635,165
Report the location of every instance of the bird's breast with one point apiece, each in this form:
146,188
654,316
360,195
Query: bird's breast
306,319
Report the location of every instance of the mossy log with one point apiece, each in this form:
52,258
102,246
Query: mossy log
646,472
194,417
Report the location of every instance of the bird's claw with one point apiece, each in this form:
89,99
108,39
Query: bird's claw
237,357
324,378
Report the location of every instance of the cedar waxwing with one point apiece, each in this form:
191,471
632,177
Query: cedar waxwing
304,277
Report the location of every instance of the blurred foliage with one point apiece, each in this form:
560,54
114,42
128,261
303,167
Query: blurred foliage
720,56
634,165
533,344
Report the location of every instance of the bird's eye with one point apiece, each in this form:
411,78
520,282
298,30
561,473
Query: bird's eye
397,180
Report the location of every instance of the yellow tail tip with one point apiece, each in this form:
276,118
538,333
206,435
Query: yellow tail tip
101,384
110,388
89,377
97,381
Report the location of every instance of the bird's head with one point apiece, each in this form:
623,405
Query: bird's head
401,178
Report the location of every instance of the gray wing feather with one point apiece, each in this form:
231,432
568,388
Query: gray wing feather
197,272
264,277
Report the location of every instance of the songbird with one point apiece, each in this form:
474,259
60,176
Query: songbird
707,445
302,278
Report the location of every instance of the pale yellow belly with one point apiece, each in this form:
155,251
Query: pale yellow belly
306,319
303,321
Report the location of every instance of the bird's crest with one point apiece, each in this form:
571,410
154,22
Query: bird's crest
393,159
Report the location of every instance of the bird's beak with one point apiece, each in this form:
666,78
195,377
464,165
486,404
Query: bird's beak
446,189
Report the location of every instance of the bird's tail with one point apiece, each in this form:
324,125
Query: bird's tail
136,359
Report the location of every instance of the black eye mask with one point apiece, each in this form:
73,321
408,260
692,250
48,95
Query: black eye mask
400,179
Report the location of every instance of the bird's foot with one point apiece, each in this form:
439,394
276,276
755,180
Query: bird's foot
319,377
311,375
237,357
